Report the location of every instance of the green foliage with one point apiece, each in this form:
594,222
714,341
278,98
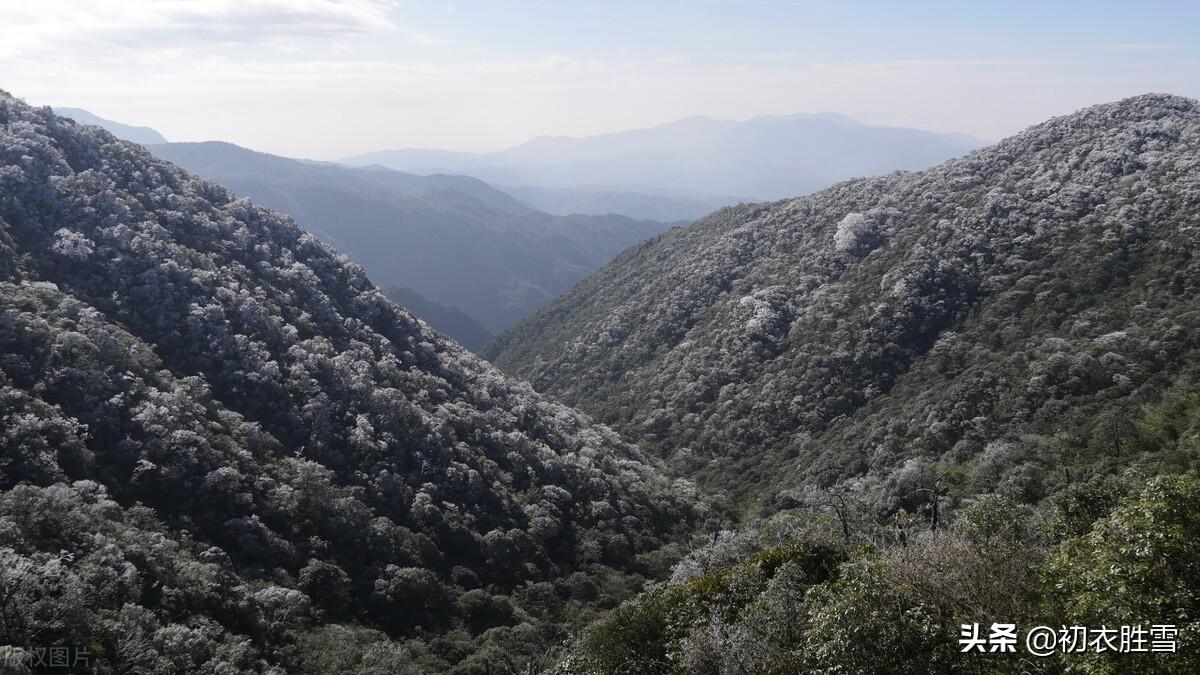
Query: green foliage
1172,425
218,439
1048,282
863,623
1080,505
1139,565
642,635
898,607
346,649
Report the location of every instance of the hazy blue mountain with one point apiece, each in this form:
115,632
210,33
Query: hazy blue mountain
762,158
597,201
453,239
143,135
445,319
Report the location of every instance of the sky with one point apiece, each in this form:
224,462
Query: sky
325,79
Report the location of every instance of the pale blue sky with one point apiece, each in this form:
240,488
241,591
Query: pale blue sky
326,79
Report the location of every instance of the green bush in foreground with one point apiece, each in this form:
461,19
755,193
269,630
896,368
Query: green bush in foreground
811,606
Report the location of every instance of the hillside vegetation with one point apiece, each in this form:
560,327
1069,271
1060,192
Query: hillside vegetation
1047,281
966,395
222,449
449,321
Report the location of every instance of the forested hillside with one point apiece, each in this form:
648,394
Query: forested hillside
453,239
961,396
222,449
447,320
910,318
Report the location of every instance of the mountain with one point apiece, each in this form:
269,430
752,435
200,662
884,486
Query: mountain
222,449
1040,280
699,157
142,135
449,321
453,239
598,201
962,398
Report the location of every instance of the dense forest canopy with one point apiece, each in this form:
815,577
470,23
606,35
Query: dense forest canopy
897,321
961,397
224,450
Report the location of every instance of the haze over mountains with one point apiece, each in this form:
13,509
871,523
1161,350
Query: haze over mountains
459,242
142,135
692,163
453,239
597,201
469,258
449,321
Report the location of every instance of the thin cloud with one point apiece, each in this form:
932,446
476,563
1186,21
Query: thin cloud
947,63
1137,46
139,24
265,73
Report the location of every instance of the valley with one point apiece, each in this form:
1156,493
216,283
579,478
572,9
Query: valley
516,338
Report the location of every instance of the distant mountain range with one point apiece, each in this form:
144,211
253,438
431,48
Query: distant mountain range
692,164
457,243
143,135
452,239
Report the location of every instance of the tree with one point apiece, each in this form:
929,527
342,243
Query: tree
1138,566
1115,431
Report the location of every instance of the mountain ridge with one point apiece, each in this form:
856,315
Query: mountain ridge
762,158
454,239
449,321
783,326
131,133
966,392
704,119
224,450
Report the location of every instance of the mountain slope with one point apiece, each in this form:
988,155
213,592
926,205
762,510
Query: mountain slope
701,157
142,135
447,320
453,239
223,450
596,201
1045,283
